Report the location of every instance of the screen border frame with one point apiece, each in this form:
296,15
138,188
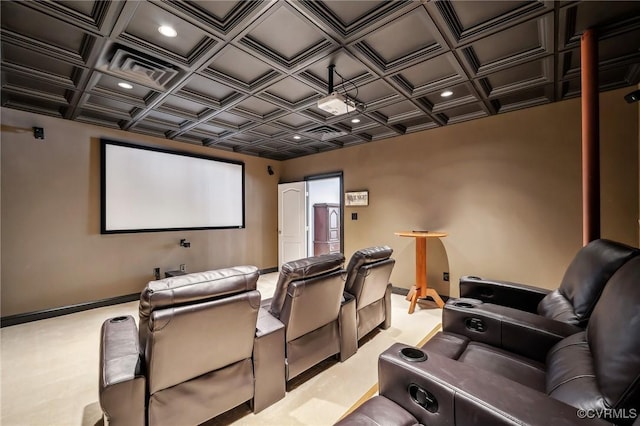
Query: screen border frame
103,187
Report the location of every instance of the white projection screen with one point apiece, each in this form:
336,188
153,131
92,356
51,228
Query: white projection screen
147,189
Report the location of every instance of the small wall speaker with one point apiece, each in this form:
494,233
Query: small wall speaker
632,97
38,132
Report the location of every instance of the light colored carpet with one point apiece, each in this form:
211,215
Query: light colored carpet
49,370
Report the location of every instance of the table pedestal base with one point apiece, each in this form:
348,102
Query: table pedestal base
414,298
421,290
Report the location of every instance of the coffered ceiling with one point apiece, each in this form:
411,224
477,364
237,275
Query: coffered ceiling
246,75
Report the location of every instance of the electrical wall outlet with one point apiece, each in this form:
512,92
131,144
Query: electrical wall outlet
445,276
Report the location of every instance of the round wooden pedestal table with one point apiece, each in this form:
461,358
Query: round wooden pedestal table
420,290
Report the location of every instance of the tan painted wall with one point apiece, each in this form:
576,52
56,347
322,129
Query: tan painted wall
506,188
52,251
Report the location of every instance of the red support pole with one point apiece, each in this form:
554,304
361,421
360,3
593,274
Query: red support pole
590,137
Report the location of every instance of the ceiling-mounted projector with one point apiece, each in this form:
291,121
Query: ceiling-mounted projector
336,104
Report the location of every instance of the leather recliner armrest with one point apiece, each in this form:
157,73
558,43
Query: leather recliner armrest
387,307
511,329
505,293
348,327
441,391
122,383
268,361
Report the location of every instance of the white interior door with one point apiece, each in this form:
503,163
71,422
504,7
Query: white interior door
292,223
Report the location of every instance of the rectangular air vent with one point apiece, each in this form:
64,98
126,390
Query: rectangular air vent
325,133
141,68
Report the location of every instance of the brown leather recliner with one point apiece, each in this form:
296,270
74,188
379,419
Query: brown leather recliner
199,352
308,300
452,380
367,280
577,295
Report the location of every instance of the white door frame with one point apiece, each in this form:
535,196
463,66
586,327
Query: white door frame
303,229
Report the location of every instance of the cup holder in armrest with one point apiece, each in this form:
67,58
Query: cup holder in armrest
413,354
423,398
118,319
464,303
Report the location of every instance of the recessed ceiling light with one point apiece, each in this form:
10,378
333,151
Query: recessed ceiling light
296,137
446,93
167,31
355,120
125,85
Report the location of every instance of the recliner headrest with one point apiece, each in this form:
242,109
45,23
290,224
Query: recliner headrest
373,254
364,257
590,270
302,269
198,286
312,266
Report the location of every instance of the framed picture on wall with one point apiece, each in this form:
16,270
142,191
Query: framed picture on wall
356,198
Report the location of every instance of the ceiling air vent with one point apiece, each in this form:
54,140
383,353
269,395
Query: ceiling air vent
144,69
325,133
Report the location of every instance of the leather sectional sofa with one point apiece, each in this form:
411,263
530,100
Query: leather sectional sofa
498,365
207,343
